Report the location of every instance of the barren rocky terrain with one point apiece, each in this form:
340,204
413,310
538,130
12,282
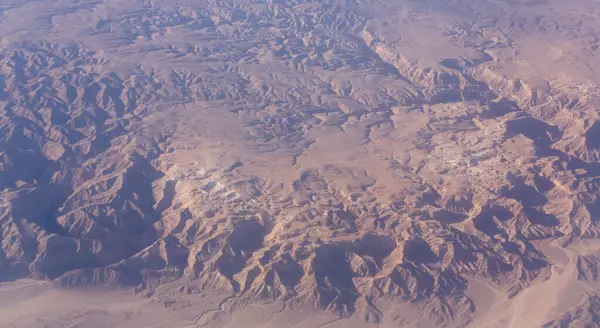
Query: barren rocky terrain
291,163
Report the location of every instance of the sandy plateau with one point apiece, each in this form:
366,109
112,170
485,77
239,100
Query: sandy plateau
292,163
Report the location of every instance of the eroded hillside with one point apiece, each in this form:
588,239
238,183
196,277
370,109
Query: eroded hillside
357,155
